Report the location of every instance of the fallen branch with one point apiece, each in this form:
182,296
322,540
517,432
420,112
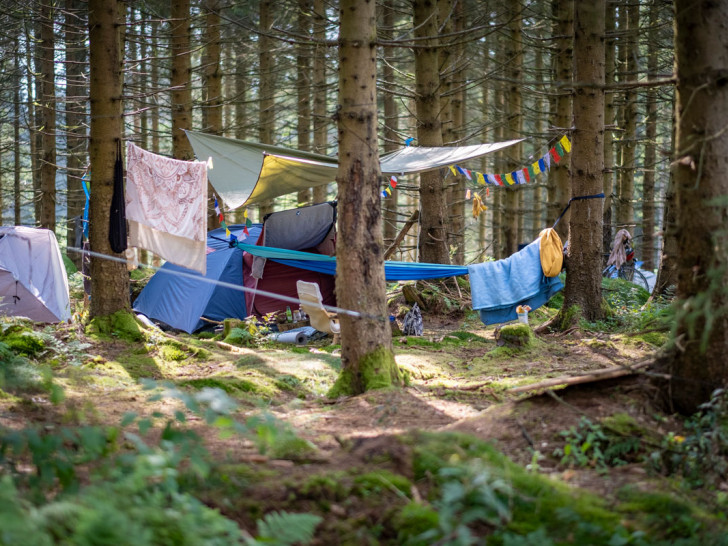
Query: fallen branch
407,225
599,375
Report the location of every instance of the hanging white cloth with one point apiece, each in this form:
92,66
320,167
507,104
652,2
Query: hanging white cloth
166,206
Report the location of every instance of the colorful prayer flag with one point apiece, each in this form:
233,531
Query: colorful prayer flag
555,155
467,174
509,179
560,149
480,178
541,165
565,143
452,169
520,177
526,175
393,181
532,172
498,179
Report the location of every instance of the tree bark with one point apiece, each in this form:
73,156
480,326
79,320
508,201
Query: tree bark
47,115
559,179
212,89
391,123
303,88
625,202
433,229
701,53
650,163
320,121
76,121
366,349
266,93
109,279
610,43
513,195
181,79
583,279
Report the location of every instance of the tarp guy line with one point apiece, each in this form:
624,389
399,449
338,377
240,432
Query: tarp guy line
281,297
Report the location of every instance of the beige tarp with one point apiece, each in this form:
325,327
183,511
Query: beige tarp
245,173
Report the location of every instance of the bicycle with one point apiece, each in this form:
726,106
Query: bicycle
629,271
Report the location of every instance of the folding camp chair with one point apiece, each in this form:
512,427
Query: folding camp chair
312,303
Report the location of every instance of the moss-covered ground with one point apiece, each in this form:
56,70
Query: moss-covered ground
454,457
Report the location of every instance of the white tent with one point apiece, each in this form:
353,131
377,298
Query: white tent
33,281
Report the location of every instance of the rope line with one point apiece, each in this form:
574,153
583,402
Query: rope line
287,299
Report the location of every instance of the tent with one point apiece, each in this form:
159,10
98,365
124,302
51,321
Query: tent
181,301
33,281
245,173
308,229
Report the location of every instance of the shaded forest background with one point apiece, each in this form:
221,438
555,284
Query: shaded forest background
267,71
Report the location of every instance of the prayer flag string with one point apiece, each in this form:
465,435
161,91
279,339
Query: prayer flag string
520,176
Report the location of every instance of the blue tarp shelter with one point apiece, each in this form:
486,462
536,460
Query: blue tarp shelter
181,301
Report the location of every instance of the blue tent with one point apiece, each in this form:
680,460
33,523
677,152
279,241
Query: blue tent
181,301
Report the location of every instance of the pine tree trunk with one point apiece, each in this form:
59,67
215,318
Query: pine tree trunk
181,79
76,121
320,121
650,163
433,221
16,145
512,195
625,208
47,114
366,349
701,51
212,89
303,88
609,121
457,110
583,279
109,279
266,103
559,180
391,123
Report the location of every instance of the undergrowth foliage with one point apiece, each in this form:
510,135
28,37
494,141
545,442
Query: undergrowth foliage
701,455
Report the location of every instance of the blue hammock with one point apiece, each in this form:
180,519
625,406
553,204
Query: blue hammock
393,271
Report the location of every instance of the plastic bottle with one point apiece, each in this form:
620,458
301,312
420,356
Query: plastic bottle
289,314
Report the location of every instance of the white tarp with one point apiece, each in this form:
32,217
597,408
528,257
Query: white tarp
33,281
244,173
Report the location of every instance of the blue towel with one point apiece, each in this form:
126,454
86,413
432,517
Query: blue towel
497,288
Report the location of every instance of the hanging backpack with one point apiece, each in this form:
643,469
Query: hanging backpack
552,252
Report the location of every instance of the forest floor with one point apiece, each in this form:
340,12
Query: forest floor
361,462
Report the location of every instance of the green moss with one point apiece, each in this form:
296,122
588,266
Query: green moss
231,385
172,353
121,324
665,515
239,336
519,335
569,317
287,382
249,361
625,424
24,342
537,502
380,481
331,487
413,520
377,370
